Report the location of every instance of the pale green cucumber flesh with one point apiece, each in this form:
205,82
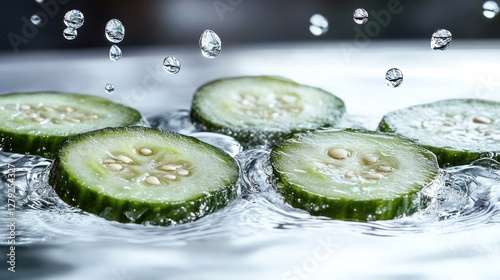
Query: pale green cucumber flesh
144,175
262,110
380,178
40,122
458,131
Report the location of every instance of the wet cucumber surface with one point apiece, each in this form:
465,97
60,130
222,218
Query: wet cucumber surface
38,123
352,175
458,131
144,175
262,110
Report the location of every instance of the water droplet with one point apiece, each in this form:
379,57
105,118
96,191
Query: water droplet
39,1
319,25
115,31
171,65
70,33
115,53
36,19
394,77
74,19
360,16
441,39
490,9
210,44
109,88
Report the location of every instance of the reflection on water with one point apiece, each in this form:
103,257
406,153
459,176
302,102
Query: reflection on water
257,234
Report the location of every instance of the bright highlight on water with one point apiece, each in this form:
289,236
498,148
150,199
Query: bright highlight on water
171,65
319,25
441,39
115,31
394,77
490,9
115,53
210,44
360,16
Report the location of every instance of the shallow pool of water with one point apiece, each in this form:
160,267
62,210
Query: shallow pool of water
258,235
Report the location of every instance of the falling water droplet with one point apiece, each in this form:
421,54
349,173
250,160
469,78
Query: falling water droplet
441,39
115,31
360,16
210,44
115,53
74,19
171,65
39,1
319,25
70,33
490,9
36,19
109,88
394,77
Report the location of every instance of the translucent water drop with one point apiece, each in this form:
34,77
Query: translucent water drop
115,31
36,19
441,39
490,9
109,88
171,65
360,16
70,33
319,25
115,53
74,19
39,1
394,77
210,44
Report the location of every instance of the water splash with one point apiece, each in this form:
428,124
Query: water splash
441,39
394,77
360,16
115,53
171,65
114,31
210,44
318,25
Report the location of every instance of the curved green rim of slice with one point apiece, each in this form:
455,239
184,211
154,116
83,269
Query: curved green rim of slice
458,131
144,175
39,123
263,110
353,175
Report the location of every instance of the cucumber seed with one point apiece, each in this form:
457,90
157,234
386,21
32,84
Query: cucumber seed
370,159
183,172
152,180
145,151
385,168
482,120
373,176
124,159
338,153
115,166
168,167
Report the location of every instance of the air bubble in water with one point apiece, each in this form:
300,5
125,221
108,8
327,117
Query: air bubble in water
115,53
70,33
490,9
319,25
360,16
210,44
171,65
115,31
441,39
74,19
109,88
36,19
394,77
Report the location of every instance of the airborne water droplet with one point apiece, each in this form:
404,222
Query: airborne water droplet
36,19
115,31
394,77
70,33
360,16
490,9
441,39
210,44
39,1
115,53
74,19
109,88
319,25
171,65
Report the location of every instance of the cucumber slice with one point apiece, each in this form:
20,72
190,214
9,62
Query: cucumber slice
262,110
143,175
38,123
458,131
352,175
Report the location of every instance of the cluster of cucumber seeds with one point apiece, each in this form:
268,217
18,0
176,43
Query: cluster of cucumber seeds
162,172
51,114
251,105
369,160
